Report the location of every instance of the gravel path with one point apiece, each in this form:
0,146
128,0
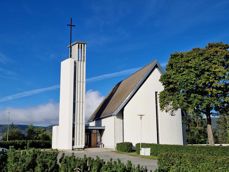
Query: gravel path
107,154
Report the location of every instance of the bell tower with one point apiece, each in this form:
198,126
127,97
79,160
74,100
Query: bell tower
79,57
70,133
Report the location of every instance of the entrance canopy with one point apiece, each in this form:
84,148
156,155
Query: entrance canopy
95,127
93,136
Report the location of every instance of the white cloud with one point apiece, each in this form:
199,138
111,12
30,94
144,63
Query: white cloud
3,58
93,99
46,114
54,87
112,75
28,93
7,72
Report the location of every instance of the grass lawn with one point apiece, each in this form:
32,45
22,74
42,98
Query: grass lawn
137,155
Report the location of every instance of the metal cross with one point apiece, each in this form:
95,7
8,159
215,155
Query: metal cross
70,26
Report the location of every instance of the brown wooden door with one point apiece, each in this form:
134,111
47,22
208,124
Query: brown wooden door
93,139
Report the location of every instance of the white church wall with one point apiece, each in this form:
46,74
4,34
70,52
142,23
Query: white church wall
113,132
66,105
108,138
92,123
143,102
170,128
54,137
118,130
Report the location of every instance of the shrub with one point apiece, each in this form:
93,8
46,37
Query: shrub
124,147
192,162
23,144
39,144
21,160
157,149
46,161
3,161
32,160
73,163
17,144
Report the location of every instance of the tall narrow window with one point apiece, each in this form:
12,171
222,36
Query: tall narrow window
74,106
157,120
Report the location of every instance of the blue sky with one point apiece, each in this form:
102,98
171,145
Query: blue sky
121,36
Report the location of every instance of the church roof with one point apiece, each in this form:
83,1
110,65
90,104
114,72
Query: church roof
123,92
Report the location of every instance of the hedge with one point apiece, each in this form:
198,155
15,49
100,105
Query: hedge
3,161
32,160
47,161
124,147
23,144
72,163
203,150
192,163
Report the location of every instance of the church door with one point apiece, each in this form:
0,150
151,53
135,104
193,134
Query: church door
93,138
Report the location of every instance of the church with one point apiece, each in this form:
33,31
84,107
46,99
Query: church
129,113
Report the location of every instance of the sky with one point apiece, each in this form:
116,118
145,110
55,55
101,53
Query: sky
121,35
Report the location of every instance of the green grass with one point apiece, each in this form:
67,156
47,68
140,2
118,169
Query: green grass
137,155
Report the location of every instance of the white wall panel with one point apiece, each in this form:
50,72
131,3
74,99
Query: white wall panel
143,102
118,129
54,137
66,105
108,134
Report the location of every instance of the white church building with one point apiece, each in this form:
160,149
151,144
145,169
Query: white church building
130,112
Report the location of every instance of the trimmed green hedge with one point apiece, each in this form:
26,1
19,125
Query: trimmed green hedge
192,163
124,147
203,150
46,161
32,160
3,161
23,144
39,144
72,163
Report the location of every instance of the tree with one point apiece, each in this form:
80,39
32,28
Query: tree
13,134
223,129
197,81
31,133
36,133
195,129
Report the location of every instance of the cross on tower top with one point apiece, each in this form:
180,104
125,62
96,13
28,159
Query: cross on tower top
70,46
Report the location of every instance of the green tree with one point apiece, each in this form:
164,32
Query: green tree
195,129
13,134
223,129
36,133
31,133
198,82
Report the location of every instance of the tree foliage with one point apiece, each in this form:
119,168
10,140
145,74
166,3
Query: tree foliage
33,133
198,82
13,133
196,129
48,161
223,129
36,133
